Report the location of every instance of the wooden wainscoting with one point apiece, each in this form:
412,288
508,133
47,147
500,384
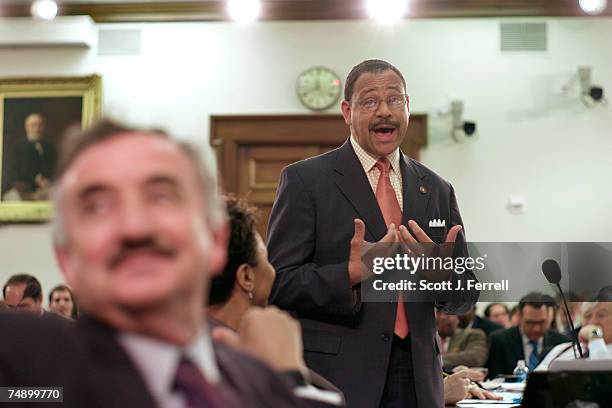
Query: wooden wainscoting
252,150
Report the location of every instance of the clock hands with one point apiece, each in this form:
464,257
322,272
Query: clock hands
318,88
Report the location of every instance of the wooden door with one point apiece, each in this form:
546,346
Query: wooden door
252,150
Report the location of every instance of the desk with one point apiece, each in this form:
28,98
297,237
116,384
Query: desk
512,393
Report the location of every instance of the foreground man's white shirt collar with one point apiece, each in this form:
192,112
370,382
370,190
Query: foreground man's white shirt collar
157,361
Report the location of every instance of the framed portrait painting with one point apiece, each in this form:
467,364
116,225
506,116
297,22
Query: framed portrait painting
34,113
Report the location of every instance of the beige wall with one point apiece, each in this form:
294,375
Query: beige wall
533,140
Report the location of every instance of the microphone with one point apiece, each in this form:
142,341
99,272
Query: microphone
552,272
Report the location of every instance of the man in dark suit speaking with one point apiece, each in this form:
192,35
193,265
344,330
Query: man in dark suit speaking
378,354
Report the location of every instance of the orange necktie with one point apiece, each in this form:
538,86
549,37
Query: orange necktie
392,213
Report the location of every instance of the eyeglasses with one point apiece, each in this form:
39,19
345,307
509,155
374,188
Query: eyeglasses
394,102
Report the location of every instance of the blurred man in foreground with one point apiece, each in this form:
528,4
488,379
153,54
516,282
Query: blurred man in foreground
139,232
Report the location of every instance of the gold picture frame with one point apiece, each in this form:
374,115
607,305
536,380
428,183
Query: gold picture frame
34,112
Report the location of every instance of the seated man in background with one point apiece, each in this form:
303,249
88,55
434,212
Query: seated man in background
470,320
246,283
552,307
139,232
575,308
466,347
61,301
32,299
595,335
529,341
498,313
515,317
12,291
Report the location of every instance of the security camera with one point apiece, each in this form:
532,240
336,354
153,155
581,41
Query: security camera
460,128
590,95
469,128
596,92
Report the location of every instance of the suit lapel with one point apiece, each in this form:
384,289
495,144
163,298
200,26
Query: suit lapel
352,181
231,373
456,340
112,369
517,344
415,190
452,341
354,184
547,340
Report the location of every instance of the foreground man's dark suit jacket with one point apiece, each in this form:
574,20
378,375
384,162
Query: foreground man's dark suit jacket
86,360
309,234
316,380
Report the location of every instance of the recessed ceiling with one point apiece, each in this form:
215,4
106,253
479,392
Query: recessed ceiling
214,10
110,1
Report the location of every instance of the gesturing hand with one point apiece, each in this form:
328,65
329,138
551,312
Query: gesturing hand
422,244
356,267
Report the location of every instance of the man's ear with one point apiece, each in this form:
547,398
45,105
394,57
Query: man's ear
218,250
61,255
345,106
245,277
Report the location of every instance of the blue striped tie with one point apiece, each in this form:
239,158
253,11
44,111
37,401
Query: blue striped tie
534,358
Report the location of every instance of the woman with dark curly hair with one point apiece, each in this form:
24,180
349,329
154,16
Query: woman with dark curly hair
247,278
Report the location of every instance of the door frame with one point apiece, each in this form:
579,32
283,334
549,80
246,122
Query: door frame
228,132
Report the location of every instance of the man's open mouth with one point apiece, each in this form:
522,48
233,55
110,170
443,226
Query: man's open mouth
384,130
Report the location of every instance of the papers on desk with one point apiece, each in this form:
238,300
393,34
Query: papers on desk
325,396
492,384
486,404
511,399
514,387
498,383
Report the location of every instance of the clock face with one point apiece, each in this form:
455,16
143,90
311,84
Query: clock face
318,88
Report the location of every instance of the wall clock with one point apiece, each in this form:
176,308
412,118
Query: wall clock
318,88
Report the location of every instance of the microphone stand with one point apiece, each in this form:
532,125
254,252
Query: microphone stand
571,322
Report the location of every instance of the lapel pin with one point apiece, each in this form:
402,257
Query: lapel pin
423,190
